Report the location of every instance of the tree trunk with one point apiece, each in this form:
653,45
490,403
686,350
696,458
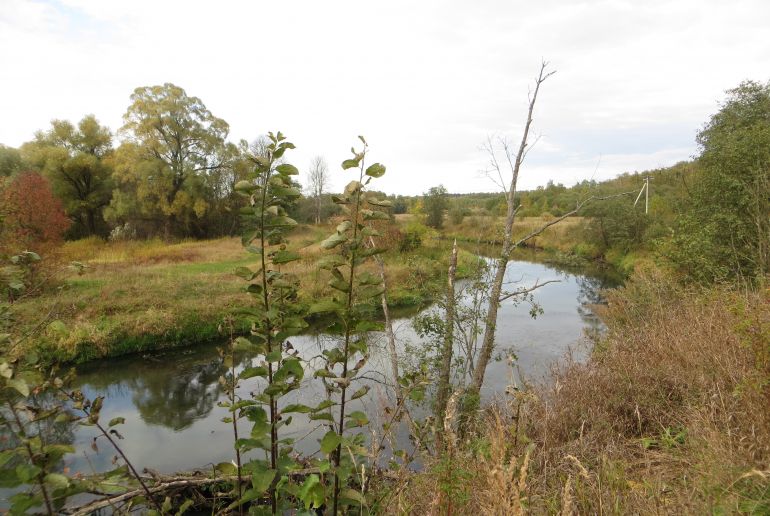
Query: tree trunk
444,385
488,343
389,329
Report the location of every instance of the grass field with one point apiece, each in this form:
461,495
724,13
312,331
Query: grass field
562,237
142,295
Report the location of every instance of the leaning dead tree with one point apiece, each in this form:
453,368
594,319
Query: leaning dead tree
496,294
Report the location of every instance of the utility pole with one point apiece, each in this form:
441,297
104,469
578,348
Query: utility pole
646,191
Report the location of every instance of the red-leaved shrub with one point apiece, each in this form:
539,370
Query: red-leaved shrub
32,217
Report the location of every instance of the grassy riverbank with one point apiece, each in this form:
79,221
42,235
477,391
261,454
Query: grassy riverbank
668,417
141,295
567,242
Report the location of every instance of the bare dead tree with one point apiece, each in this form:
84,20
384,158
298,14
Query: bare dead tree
514,163
318,181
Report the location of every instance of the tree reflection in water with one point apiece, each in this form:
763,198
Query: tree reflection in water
176,399
590,294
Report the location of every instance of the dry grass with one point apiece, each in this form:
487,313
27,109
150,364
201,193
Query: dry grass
670,416
136,295
563,236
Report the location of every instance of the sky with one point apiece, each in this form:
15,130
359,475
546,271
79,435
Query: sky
427,83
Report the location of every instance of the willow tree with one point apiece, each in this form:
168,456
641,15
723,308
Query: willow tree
77,162
174,144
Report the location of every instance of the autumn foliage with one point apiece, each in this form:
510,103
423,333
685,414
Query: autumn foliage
32,217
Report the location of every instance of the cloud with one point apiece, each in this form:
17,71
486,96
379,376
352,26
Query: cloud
426,82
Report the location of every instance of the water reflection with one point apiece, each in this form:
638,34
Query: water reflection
176,401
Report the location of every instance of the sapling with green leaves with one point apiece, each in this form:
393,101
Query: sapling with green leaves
353,303
274,317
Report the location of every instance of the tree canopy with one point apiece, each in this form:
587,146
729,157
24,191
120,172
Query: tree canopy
725,228
168,170
77,162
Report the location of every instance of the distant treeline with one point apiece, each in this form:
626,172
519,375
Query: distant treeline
174,172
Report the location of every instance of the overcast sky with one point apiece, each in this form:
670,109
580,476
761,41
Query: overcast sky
426,82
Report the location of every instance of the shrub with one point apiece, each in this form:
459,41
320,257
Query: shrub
33,218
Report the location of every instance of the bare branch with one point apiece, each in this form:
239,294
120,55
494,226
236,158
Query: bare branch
522,291
568,214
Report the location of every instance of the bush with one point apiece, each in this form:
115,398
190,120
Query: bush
33,218
412,237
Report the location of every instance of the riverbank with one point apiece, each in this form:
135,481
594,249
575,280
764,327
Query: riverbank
139,296
565,243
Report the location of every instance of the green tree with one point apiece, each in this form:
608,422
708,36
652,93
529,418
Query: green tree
77,162
435,204
10,160
725,229
166,169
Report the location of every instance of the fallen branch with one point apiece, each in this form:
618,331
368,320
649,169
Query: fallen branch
166,484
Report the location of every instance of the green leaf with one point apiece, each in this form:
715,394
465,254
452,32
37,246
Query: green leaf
340,285
57,480
183,508
352,187
251,372
117,421
370,291
331,261
226,468
360,392
20,385
287,169
333,241
343,226
244,344
312,492
322,307
245,273
365,326
285,257
376,170
244,186
261,480
330,442
357,418
324,416
375,215
382,203
367,278
353,495
27,472
371,251
350,163
296,407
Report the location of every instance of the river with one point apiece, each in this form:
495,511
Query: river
170,399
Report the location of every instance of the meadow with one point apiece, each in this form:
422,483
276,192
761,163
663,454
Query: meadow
135,296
